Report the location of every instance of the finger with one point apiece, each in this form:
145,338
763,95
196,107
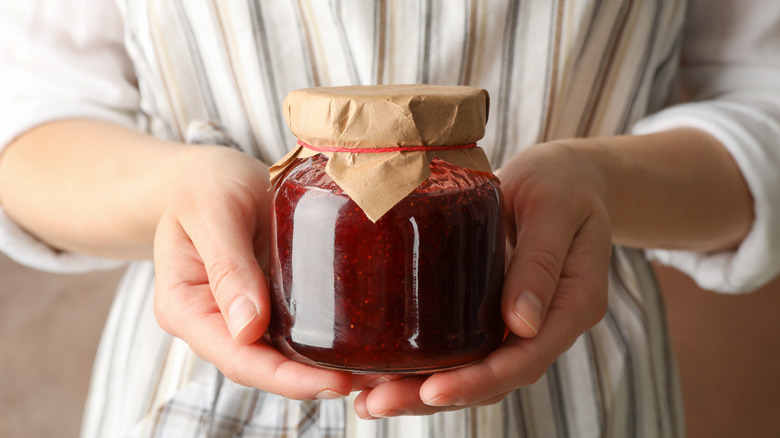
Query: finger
193,314
402,397
260,365
584,282
370,381
224,238
511,366
178,268
579,303
359,406
520,362
534,269
392,399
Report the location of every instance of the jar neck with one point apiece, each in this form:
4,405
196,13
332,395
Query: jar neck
379,149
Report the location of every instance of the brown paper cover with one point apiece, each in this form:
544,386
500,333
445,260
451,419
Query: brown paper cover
383,116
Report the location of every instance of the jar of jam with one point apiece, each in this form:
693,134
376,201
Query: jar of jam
387,237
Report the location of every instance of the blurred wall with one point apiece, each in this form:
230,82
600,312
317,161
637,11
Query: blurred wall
49,329
728,350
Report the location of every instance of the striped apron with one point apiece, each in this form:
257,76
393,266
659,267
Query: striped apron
554,69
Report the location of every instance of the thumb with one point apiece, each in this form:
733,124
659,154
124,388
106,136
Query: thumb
227,248
241,294
533,272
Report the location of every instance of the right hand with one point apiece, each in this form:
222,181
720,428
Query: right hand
210,289
555,289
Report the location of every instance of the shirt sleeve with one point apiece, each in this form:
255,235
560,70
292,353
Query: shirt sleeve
60,60
731,69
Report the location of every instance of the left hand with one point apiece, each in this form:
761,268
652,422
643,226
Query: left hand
210,290
555,287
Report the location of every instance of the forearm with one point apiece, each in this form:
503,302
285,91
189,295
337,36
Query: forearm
678,189
89,186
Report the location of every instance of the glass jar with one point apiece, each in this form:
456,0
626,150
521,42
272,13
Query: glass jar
417,291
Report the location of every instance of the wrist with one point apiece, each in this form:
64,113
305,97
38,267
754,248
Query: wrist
563,177
204,177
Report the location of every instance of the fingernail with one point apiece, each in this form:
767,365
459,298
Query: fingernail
442,400
378,381
391,413
328,394
529,309
241,312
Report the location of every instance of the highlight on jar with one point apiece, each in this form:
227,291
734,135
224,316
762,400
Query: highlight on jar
387,235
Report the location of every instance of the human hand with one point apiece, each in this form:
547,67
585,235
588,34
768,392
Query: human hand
210,289
555,287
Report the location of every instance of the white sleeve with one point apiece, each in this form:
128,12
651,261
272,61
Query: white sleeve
731,68
60,60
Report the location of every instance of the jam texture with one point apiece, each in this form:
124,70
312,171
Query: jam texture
417,291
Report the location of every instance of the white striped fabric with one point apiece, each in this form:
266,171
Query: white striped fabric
554,69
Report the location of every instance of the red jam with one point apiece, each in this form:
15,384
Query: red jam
417,291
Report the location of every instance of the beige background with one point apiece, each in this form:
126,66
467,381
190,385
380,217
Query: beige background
49,328
728,348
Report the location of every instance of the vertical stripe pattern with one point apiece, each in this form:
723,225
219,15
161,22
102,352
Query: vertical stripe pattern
554,69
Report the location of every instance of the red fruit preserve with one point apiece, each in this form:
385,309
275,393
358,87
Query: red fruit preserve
416,291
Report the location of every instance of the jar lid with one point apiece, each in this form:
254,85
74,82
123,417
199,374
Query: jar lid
387,115
364,131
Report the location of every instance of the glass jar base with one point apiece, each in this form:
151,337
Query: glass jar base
404,371
393,363
409,372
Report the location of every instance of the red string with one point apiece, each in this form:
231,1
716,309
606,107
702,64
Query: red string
387,149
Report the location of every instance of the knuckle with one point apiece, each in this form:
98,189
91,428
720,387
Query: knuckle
160,309
162,321
529,372
597,300
220,273
600,310
232,374
546,262
592,309
591,315
533,375
493,400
